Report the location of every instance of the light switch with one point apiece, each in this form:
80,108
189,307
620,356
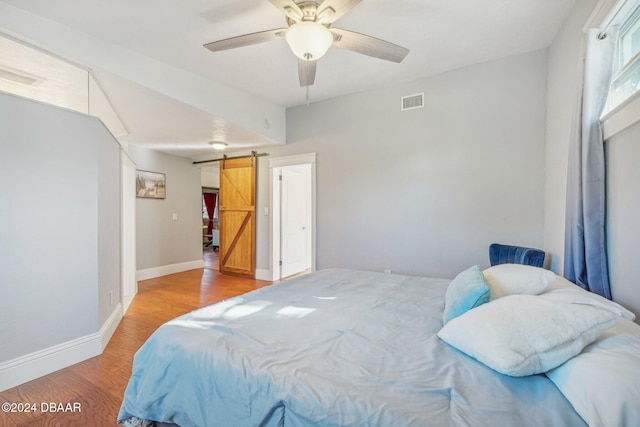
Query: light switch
175,217
266,211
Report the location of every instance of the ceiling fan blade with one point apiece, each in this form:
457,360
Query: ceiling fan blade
290,9
330,11
246,40
306,72
368,45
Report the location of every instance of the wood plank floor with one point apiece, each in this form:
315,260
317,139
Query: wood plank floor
98,384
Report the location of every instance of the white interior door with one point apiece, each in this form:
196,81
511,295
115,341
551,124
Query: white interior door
294,225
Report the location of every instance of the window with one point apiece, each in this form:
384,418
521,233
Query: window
626,67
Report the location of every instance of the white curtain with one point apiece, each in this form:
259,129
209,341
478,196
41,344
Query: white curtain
585,234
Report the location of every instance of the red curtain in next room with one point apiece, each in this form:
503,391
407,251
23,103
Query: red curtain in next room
210,203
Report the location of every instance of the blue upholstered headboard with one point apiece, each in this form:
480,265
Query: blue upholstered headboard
502,254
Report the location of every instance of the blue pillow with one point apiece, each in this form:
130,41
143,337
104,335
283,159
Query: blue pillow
466,291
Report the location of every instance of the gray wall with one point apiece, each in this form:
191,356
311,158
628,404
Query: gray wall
623,178
162,241
623,211
424,191
109,222
561,97
59,232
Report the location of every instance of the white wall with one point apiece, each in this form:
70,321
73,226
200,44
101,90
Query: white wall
211,177
424,191
232,104
60,235
561,97
99,106
162,241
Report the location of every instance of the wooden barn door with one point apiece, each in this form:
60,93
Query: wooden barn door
237,216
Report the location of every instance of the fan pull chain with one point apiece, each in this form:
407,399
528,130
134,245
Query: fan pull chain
307,95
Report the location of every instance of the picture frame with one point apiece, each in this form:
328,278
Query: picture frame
150,185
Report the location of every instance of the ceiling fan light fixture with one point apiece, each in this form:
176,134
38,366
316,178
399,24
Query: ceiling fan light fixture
217,145
309,40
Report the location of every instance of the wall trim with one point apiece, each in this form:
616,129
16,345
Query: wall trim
43,362
163,270
110,325
292,160
599,15
621,118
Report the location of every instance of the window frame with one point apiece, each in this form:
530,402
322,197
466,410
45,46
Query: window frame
622,72
606,14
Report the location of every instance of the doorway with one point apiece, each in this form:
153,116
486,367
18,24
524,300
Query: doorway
293,215
210,230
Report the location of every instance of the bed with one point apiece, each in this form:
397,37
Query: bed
353,348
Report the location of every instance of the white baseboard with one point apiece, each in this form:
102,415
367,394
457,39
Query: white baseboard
109,327
163,270
43,362
264,274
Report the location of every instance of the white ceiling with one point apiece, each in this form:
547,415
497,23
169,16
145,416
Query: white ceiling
161,123
441,35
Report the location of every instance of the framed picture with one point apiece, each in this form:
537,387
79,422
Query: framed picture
151,185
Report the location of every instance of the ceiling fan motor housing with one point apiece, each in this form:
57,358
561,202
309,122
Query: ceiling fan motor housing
309,40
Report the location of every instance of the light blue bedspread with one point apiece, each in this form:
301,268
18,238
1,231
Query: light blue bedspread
334,348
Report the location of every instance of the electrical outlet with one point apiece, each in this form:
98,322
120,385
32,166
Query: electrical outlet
110,297
387,271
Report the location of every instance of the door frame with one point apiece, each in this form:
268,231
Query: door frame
274,197
128,268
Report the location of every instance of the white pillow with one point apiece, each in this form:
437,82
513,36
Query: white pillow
522,335
562,290
603,383
517,279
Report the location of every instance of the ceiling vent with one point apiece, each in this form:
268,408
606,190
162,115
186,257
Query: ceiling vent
411,102
19,76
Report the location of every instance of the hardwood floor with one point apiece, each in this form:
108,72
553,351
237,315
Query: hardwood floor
211,259
96,386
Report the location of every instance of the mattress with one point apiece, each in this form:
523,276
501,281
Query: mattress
333,348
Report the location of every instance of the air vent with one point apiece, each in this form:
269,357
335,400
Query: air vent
19,76
411,102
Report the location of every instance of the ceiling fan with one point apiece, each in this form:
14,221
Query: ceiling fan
309,35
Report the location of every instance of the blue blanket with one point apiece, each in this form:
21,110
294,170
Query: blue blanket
334,348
